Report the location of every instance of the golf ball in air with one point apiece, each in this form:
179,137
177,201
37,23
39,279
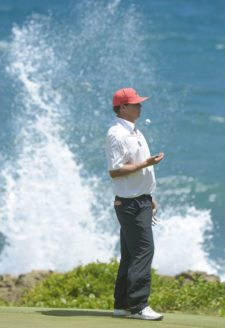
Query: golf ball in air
147,121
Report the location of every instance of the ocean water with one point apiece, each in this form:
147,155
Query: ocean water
60,62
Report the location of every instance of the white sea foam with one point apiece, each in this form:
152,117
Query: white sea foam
112,6
46,216
51,216
217,119
220,46
180,241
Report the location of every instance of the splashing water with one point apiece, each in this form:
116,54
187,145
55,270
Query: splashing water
55,212
47,213
180,239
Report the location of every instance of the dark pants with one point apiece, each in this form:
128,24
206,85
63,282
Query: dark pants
133,281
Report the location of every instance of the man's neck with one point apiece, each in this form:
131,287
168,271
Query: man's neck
127,119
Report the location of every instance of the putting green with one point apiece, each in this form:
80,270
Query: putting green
19,317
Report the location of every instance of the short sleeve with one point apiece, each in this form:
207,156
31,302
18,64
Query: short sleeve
116,153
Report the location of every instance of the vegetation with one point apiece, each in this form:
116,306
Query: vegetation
91,287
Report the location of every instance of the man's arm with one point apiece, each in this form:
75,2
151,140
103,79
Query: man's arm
133,167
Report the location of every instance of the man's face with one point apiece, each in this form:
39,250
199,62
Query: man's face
131,112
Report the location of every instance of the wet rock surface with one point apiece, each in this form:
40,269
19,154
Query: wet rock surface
12,288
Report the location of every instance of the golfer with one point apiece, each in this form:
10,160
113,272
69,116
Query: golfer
131,168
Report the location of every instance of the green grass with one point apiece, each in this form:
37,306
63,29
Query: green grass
23,317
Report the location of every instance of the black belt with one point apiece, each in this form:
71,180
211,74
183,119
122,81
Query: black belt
144,196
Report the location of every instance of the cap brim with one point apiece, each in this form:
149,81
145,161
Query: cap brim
138,100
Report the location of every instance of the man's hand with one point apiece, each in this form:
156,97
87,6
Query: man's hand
129,168
155,159
154,205
154,212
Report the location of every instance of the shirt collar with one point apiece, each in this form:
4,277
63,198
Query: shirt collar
130,126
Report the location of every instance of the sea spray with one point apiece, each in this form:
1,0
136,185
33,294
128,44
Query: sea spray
56,199
180,240
47,217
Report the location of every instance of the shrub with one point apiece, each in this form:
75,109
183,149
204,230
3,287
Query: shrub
91,286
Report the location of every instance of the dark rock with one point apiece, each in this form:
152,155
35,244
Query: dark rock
12,288
189,276
31,279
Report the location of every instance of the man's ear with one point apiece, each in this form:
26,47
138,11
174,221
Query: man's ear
122,107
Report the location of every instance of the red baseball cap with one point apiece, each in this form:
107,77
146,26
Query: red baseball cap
127,96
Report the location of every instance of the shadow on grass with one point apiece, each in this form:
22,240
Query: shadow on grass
76,313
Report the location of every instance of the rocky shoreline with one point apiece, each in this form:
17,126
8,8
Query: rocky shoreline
12,288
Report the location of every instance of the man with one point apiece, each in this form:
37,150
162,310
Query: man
131,168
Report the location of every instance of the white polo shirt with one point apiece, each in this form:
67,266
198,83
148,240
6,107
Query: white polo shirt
125,144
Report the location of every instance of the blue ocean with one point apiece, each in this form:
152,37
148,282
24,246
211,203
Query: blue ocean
60,62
